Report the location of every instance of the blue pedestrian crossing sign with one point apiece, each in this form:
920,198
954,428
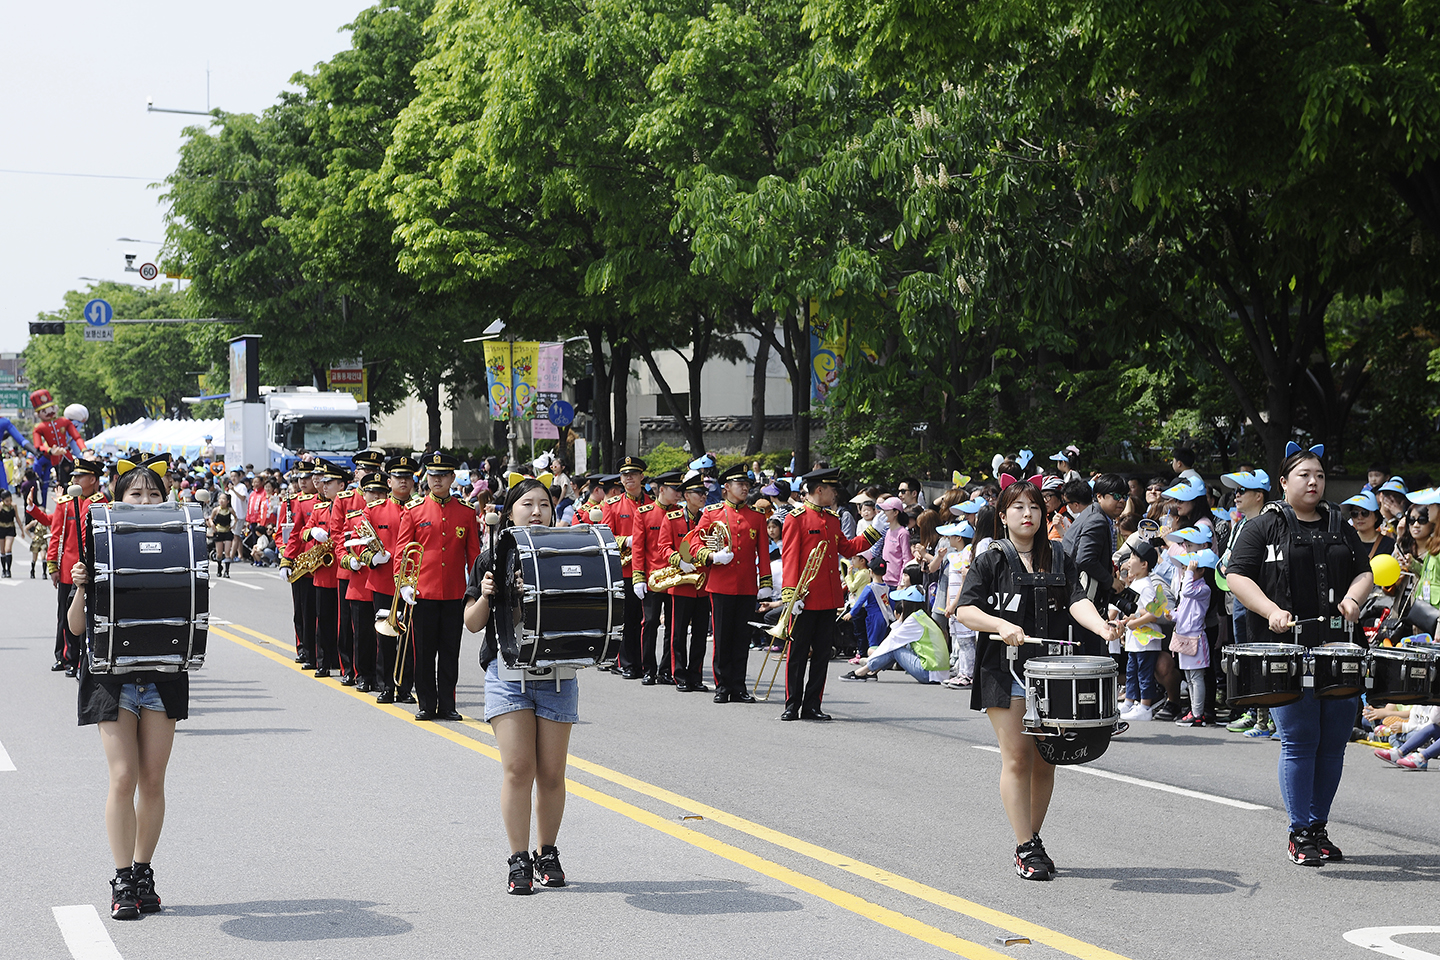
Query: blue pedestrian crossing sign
561,414
99,313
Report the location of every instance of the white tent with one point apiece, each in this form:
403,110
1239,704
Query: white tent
179,438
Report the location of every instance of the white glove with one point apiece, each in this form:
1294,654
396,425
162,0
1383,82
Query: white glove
798,606
640,590
686,567
355,563
380,559
721,557
766,593
407,593
319,534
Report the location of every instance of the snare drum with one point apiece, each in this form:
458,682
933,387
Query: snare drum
150,603
1336,670
566,595
1400,675
1072,692
1263,674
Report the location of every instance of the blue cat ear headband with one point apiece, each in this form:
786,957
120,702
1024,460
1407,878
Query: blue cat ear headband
1293,448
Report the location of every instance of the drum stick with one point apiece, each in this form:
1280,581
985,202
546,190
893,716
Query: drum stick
1068,643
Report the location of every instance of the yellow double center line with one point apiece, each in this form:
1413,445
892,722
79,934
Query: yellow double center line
871,911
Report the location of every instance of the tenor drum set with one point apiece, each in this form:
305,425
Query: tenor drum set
150,588
1276,674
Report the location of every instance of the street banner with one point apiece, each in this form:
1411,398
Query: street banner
497,378
550,378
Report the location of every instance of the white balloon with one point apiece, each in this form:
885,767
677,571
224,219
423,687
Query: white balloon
77,412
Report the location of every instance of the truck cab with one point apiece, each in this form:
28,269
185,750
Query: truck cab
332,425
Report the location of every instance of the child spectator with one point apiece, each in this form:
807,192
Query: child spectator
1144,636
915,642
962,638
872,604
1192,579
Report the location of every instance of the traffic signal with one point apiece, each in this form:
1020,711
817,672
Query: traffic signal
41,327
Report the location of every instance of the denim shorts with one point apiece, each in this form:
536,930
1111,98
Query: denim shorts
1016,690
141,696
507,696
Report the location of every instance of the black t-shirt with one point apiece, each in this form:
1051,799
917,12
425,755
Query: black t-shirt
1264,541
986,587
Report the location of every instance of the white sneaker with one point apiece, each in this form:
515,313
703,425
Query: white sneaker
1141,714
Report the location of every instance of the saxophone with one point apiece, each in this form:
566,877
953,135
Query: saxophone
716,538
786,623
312,559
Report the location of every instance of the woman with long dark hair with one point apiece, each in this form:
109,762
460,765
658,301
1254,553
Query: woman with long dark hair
993,606
531,718
136,714
1300,569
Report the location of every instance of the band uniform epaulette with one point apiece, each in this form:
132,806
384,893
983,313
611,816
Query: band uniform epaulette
675,514
354,513
97,497
648,506
615,499
306,496
833,511
714,506
64,498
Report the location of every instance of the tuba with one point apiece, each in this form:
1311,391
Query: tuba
407,574
312,559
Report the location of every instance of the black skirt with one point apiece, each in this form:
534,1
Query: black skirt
100,695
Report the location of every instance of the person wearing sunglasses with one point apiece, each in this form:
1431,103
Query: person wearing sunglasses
1363,512
1423,556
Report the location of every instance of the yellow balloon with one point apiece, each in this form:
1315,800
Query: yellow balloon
1385,569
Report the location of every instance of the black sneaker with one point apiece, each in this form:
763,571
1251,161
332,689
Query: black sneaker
522,874
145,888
1040,850
547,867
1328,851
124,903
1303,849
1031,862
1166,712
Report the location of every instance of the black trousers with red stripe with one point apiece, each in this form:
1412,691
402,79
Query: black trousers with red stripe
655,608
359,617
730,617
811,641
630,657
327,621
67,644
302,594
436,635
386,648
345,635
687,655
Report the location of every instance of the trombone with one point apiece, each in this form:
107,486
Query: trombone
786,625
407,574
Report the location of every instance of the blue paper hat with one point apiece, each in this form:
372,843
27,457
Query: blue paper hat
1395,485
1259,480
967,507
1190,535
909,593
1365,500
1202,558
1186,490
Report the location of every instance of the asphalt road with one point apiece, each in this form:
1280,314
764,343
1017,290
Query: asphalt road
306,821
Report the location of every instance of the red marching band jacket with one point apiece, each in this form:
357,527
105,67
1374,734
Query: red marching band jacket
385,516
63,550
619,514
360,588
325,515
670,534
750,568
447,530
801,533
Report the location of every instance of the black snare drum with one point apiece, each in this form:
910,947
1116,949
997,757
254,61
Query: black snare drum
150,599
1401,675
1263,674
1074,691
1336,670
565,592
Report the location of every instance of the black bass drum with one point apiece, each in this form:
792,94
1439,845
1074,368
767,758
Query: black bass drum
565,593
150,593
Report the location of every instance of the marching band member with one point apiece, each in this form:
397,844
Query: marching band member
346,503
618,513
737,575
136,714
595,500
689,609
56,439
69,523
532,719
302,591
993,602
812,636
326,524
385,517
1300,567
445,528
359,603
648,554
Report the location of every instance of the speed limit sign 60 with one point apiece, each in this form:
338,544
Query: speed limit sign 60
148,271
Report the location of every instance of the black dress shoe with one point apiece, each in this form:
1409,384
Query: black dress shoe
347,681
722,697
306,665
59,665
742,698
648,680
322,673
665,680
364,686
697,688
453,715
299,659
790,715
630,673
387,697
408,698
814,715
424,715
69,671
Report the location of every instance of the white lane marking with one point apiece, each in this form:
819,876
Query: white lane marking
84,933
1148,784
238,583
1378,940
5,762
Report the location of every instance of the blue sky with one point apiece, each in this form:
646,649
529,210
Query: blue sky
76,77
